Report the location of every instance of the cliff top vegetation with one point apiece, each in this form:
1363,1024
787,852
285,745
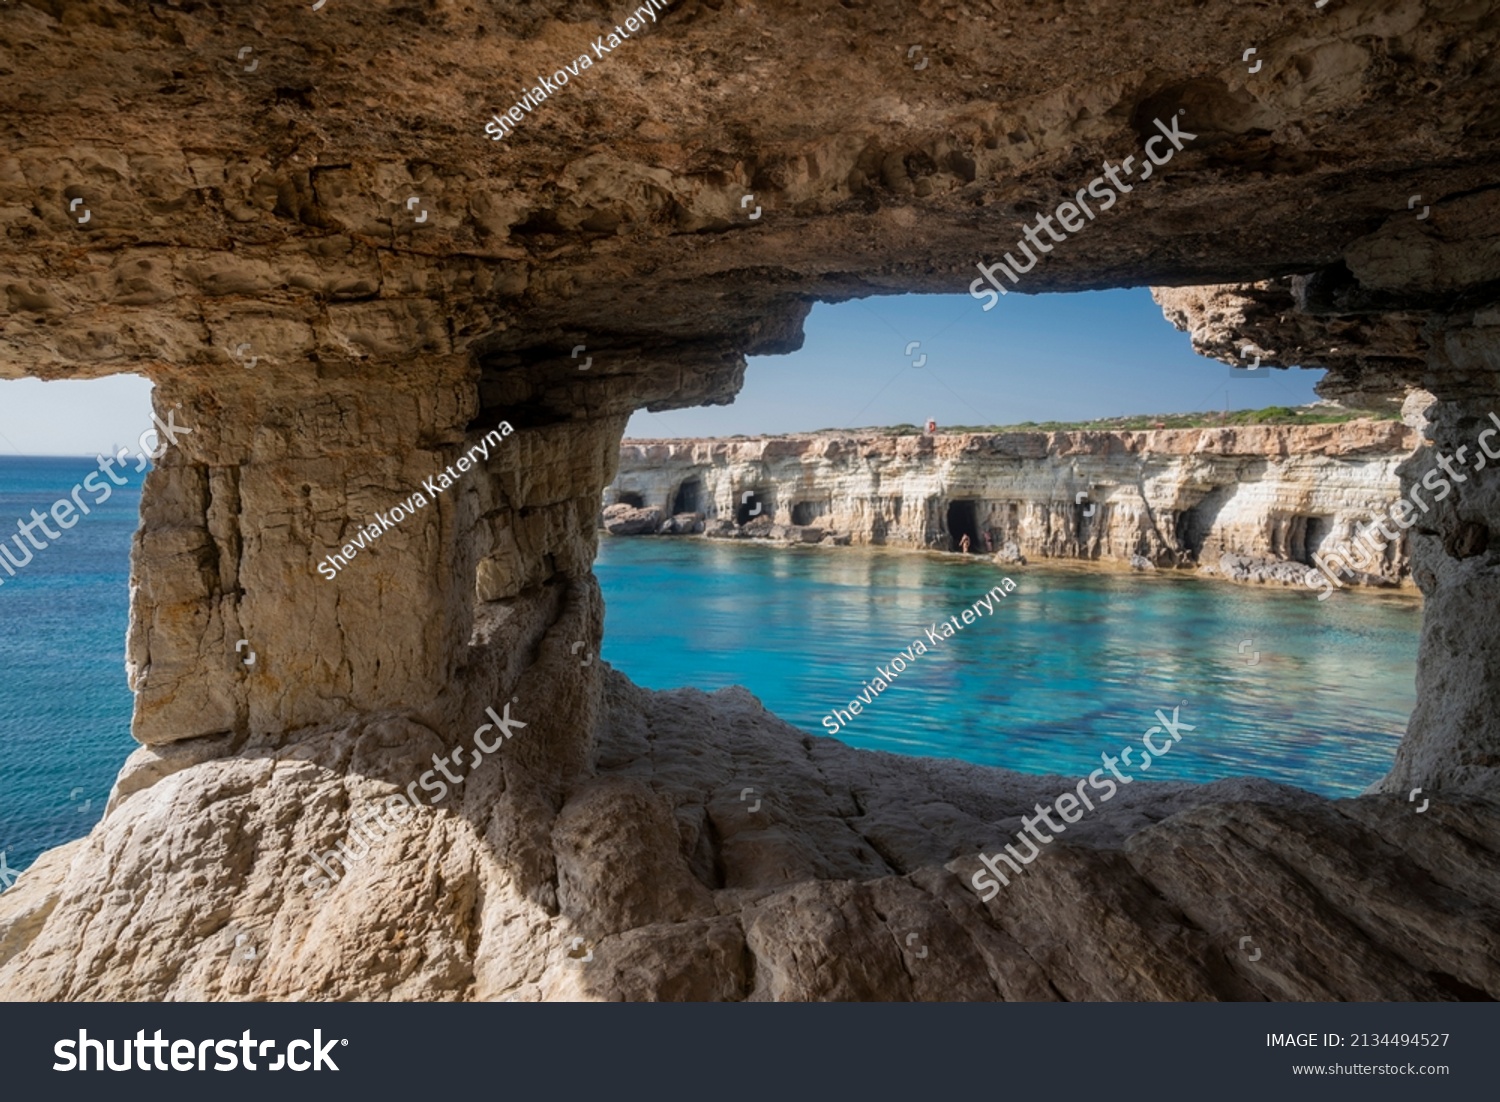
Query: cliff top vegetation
1321,413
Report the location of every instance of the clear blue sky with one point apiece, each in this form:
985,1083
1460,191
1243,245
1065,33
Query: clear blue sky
1032,358
1055,357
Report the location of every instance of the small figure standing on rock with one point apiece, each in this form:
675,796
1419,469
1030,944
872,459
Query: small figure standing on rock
963,544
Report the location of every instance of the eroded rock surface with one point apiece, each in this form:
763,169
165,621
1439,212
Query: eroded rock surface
717,853
1274,495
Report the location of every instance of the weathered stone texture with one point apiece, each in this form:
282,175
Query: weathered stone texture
848,881
1173,496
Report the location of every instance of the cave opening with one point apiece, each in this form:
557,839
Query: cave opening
1314,533
688,498
1289,537
963,520
73,593
627,497
1016,438
750,507
1194,524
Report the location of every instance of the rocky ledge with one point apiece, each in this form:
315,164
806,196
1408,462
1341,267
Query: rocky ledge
718,853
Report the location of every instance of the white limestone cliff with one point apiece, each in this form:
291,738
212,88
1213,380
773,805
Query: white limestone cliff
1268,494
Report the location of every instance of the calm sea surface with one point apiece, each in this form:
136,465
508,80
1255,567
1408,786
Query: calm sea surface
1069,665
64,703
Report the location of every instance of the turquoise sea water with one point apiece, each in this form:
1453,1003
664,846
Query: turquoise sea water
1069,665
64,703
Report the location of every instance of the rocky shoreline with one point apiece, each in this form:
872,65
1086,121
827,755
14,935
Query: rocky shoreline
1253,505
626,521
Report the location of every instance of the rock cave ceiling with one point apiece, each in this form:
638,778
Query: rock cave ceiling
248,175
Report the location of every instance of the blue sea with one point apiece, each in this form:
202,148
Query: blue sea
1070,665
64,702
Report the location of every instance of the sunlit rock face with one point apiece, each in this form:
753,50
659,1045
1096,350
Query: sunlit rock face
344,286
1174,496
